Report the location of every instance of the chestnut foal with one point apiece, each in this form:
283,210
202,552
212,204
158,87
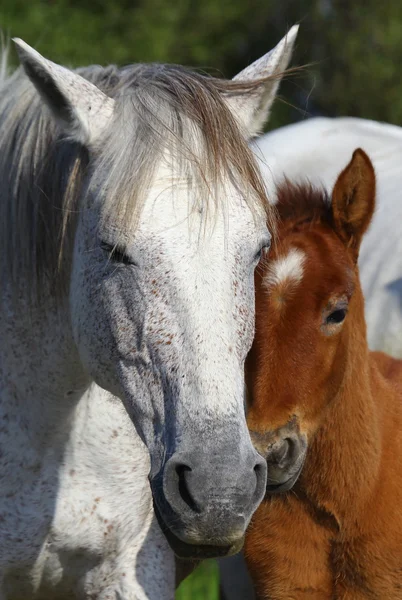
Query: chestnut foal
324,411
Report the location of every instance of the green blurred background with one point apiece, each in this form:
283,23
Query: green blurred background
354,50
356,47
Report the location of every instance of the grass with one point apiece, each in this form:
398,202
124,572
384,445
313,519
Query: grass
203,584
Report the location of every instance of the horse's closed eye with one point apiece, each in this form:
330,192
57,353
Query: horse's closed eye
263,251
117,254
336,317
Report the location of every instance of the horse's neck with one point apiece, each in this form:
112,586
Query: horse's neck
41,376
343,462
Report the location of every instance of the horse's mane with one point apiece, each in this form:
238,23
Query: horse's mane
158,107
302,204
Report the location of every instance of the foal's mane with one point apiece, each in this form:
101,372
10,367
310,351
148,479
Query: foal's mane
158,107
301,205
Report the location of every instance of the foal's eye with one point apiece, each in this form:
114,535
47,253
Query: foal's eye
116,254
336,317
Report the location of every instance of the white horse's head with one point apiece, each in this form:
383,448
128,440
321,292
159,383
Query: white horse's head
171,225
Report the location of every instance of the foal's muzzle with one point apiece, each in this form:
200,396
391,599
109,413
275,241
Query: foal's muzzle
285,451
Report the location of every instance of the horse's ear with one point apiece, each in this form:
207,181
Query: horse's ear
80,107
353,200
251,107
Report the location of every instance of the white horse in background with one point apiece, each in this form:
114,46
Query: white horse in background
316,150
132,215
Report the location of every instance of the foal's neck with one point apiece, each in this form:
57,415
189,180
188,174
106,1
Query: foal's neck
343,463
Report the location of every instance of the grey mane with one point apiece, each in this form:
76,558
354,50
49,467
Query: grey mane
42,172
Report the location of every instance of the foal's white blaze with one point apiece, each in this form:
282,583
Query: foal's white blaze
287,269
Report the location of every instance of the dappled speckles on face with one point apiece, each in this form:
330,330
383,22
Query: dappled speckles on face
243,314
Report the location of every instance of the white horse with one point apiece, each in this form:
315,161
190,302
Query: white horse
132,215
316,150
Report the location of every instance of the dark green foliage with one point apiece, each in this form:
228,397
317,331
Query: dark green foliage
203,584
356,46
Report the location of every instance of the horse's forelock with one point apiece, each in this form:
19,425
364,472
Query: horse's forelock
166,108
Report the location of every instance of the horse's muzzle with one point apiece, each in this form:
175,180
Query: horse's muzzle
204,508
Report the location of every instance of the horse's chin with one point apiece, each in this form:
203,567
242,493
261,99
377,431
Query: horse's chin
190,551
187,551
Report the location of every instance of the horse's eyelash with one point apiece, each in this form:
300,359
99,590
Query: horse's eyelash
116,253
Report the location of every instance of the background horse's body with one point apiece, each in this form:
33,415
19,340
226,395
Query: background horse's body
315,150
121,215
319,397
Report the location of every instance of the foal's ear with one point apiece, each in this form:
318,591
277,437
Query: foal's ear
80,107
353,200
251,107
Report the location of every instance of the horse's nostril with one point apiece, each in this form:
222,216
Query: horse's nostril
181,471
259,470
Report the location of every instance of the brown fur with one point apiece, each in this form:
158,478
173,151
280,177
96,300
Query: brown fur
338,533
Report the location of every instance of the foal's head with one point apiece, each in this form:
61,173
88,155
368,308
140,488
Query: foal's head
309,316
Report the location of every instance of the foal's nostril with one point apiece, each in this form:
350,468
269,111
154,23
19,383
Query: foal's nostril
181,471
281,452
284,451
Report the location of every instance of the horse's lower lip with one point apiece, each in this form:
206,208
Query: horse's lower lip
195,551
201,552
